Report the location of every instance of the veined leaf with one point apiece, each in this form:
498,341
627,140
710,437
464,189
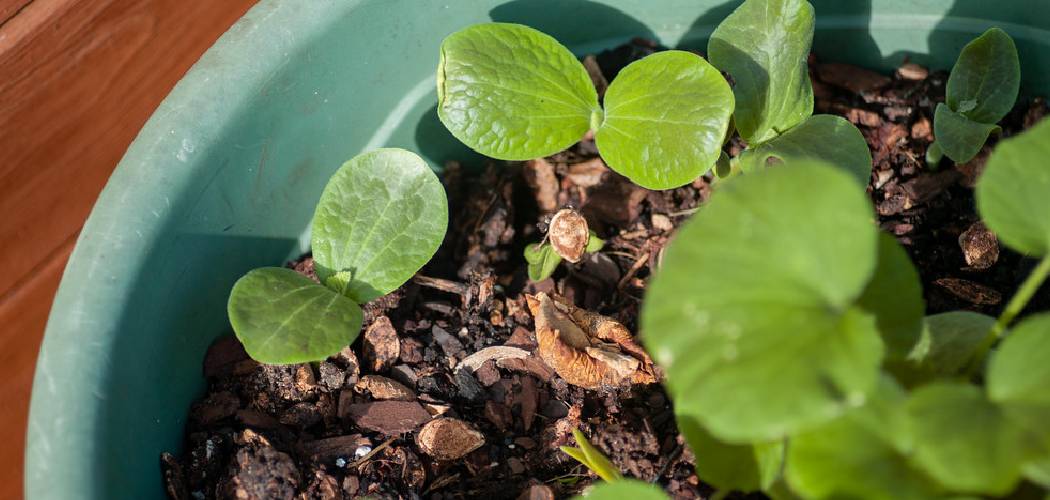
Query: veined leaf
959,137
1018,377
283,317
381,218
820,137
764,45
1012,193
513,93
984,82
665,118
810,353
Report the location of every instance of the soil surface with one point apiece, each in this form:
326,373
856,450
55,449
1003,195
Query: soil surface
334,430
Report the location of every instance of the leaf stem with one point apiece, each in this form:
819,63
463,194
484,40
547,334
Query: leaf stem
1017,303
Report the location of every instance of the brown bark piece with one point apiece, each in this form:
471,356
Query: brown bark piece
449,438
381,345
387,417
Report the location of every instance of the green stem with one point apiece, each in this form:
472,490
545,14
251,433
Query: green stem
1020,299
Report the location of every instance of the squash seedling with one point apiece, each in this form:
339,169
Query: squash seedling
615,486
513,93
981,90
380,219
569,238
799,360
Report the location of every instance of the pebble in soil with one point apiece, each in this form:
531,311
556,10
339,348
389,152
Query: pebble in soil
457,342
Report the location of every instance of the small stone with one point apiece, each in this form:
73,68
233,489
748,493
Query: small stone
383,388
980,246
361,451
387,417
332,377
516,467
304,379
404,374
381,345
448,438
537,492
450,345
912,71
662,222
469,388
487,374
568,234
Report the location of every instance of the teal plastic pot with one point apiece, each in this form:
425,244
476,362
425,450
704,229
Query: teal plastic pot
224,177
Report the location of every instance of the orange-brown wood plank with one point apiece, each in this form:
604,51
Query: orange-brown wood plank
77,81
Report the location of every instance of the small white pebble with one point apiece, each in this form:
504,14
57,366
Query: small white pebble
362,451
511,446
340,462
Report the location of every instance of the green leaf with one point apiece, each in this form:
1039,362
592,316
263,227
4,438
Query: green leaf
381,218
513,93
751,314
542,260
959,137
1012,193
764,45
283,317
1039,472
738,467
985,80
894,296
821,137
594,243
592,458
623,489
859,455
1018,376
665,118
945,348
964,441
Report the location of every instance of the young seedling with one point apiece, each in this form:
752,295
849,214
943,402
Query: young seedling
615,487
569,238
982,88
380,218
586,454
800,363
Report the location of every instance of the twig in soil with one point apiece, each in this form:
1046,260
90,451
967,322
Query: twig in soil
377,449
667,465
443,285
683,213
441,482
638,263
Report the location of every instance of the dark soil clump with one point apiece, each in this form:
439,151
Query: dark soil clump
348,426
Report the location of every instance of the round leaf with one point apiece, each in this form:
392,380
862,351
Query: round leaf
764,45
542,260
513,93
752,313
821,137
965,441
665,118
1018,375
894,296
283,317
985,80
1012,192
959,137
737,467
381,218
624,488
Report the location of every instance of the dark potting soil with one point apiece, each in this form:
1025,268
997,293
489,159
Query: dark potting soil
326,430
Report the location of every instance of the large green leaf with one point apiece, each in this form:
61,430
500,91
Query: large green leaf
665,118
1012,192
764,45
752,312
623,489
513,93
862,454
959,137
821,137
894,296
965,441
381,218
945,348
984,82
283,317
1018,376
738,467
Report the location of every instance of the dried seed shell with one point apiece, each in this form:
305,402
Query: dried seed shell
383,388
447,438
568,234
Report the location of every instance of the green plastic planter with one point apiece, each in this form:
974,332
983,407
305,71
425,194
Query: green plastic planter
225,175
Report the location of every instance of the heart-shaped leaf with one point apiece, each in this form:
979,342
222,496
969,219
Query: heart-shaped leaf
945,348
665,118
624,488
810,353
513,93
820,137
737,467
764,45
283,317
964,441
1018,376
984,82
1012,192
542,260
959,137
381,218
859,455
894,296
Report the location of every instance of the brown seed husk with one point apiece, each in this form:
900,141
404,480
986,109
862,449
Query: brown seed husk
447,438
568,234
585,348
